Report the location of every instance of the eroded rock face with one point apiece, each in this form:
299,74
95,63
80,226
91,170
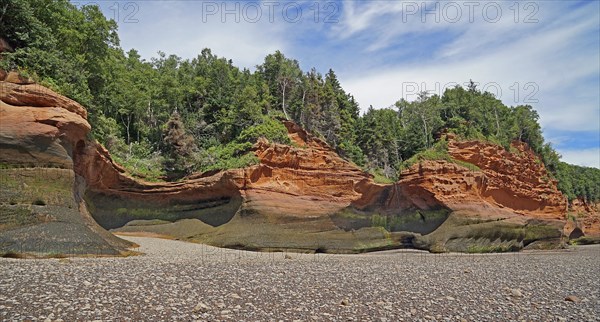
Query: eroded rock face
313,172
42,210
477,223
39,127
302,197
309,190
585,216
453,186
517,180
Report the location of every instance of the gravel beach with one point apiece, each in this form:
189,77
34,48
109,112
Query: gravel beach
185,282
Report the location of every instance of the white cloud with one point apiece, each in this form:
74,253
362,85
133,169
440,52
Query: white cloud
583,157
180,28
556,56
359,16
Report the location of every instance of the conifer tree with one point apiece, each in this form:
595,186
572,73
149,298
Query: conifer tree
179,147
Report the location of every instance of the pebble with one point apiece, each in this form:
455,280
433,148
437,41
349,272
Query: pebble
182,281
201,307
516,293
572,298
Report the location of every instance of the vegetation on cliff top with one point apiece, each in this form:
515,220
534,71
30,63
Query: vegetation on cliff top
221,109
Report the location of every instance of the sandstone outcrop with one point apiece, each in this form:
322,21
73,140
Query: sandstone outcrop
517,180
308,190
585,216
303,197
41,205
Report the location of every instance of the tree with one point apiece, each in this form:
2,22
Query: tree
178,149
379,137
526,127
425,112
282,75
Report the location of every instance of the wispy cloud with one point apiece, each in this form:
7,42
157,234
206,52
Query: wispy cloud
585,157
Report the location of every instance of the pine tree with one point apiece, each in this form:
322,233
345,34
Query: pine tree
179,148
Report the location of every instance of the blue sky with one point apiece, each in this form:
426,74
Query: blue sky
542,53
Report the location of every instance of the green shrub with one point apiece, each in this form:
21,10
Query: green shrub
230,156
439,151
147,167
379,177
270,129
352,152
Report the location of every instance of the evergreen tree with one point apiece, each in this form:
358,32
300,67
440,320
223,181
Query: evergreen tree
178,148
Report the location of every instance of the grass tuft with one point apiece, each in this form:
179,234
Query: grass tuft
439,151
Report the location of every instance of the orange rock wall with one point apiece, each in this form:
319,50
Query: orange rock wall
587,216
38,126
305,180
517,180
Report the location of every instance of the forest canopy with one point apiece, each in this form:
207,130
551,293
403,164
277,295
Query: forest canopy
168,117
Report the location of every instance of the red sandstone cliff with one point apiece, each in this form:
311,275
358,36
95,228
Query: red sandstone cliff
303,188
39,130
585,216
517,180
